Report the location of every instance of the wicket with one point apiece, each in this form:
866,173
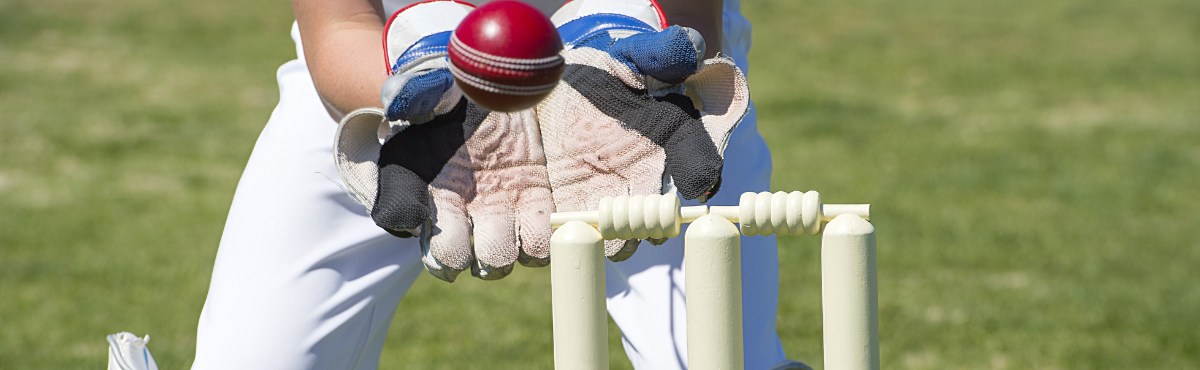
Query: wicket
714,300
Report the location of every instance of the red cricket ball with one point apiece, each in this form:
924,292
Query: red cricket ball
505,56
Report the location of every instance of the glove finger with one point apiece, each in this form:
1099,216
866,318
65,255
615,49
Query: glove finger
658,241
533,225
695,150
693,161
408,162
402,203
495,245
446,240
620,250
670,55
414,97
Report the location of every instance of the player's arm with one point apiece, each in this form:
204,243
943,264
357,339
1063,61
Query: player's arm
702,15
342,47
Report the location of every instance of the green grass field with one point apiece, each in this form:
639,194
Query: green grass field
1034,169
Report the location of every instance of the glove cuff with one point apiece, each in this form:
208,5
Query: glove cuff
415,33
356,153
578,20
432,48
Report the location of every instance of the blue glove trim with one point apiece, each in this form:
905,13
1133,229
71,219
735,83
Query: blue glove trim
579,30
669,55
418,97
436,43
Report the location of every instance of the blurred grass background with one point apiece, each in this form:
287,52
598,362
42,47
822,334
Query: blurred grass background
1034,168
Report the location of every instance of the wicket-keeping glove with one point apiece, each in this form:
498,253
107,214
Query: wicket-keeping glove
470,183
637,112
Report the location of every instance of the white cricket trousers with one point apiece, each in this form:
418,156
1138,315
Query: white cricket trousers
303,279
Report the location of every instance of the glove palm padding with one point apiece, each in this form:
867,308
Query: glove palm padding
610,130
470,183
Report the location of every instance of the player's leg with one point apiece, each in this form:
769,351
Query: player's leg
646,300
751,171
303,279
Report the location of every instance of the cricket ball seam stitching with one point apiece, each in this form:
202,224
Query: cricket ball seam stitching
499,87
468,52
